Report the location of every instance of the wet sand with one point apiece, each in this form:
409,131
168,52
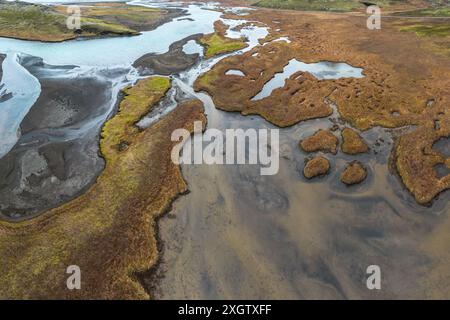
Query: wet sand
52,163
240,235
172,62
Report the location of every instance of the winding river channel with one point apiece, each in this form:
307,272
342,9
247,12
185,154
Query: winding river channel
237,234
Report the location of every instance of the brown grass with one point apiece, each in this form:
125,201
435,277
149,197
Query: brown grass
352,143
322,140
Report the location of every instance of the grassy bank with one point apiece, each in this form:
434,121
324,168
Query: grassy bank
48,23
395,63
119,132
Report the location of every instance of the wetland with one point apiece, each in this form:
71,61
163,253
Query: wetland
86,175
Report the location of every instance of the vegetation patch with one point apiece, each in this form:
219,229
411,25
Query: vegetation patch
137,18
316,167
217,43
108,231
354,173
435,30
343,5
321,5
322,140
48,23
416,160
429,12
300,99
120,131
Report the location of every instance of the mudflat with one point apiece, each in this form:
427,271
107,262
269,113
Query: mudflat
48,166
